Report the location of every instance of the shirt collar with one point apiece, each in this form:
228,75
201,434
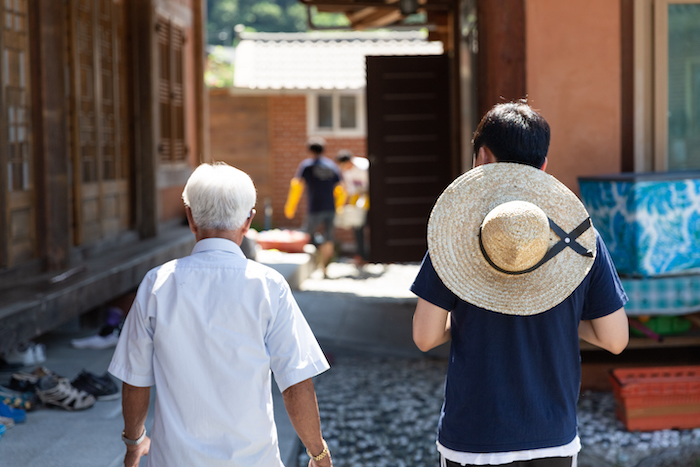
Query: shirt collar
216,243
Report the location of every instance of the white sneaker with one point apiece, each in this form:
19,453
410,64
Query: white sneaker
96,342
26,355
39,353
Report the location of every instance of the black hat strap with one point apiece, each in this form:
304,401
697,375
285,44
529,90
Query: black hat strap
565,240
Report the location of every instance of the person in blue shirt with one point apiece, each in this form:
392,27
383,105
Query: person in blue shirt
514,276
320,175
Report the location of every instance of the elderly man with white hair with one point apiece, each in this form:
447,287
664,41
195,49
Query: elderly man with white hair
207,331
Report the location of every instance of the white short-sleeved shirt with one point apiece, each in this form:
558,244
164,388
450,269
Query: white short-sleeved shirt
208,330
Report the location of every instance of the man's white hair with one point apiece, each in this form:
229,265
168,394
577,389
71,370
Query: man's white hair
220,197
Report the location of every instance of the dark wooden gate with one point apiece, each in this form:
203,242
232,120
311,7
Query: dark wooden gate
409,147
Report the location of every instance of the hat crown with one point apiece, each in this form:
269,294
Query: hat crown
515,235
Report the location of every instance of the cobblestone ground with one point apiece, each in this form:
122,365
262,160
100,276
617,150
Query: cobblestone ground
384,411
380,411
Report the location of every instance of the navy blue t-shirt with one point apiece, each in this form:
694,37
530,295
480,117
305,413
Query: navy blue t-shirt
513,381
320,176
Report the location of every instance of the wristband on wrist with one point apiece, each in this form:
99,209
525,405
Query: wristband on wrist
133,442
323,454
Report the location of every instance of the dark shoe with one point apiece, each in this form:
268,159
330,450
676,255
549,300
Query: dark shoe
102,387
26,382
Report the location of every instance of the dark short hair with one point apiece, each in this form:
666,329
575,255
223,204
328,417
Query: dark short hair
316,144
343,156
514,132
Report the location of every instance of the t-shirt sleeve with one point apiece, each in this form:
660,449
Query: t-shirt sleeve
132,361
295,354
301,170
430,288
605,294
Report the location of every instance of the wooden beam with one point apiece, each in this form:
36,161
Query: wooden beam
141,25
501,60
627,84
201,92
381,17
357,16
48,17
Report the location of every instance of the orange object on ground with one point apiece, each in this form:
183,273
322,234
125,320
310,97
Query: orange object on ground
657,398
289,241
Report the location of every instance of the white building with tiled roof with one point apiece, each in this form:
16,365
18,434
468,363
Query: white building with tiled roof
319,60
328,67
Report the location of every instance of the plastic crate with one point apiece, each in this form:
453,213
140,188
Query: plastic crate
657,398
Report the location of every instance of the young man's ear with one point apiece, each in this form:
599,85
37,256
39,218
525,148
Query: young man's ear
484,156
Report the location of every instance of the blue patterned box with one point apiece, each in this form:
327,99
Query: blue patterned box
650,222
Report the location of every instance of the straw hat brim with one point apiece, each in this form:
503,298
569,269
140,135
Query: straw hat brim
453,239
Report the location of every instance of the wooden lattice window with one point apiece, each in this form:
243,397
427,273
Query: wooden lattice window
171,99
19,232
98,120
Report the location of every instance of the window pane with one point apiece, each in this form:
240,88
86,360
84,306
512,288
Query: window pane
683,86
325,112
348,115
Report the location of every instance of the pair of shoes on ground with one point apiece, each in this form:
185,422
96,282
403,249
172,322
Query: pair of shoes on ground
97,342
52,389
26,354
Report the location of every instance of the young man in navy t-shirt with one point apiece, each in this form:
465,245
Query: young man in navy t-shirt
320,175
515,274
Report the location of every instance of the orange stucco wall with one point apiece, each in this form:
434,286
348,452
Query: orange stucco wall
573,78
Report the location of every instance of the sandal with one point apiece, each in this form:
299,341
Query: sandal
57,391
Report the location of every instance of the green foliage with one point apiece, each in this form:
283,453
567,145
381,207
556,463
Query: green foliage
219,73
262,16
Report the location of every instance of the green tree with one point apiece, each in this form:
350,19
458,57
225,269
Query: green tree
261,16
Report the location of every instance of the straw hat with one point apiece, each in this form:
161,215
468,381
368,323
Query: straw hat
510,238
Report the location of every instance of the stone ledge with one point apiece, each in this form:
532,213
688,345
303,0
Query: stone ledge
34,307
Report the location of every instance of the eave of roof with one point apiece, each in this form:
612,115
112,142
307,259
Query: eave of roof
319,60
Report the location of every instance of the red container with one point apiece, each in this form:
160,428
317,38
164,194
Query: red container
289,241
657,398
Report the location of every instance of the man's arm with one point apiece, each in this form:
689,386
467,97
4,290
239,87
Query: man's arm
610,332
302,407
431,325
135,409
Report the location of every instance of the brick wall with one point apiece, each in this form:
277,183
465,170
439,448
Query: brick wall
239,129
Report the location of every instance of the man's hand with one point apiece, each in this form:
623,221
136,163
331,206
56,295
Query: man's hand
134,453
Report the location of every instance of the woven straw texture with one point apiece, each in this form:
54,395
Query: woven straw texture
453,239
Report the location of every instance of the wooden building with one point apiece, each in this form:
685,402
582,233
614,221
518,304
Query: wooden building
102,119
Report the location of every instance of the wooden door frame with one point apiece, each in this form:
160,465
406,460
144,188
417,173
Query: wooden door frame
140,18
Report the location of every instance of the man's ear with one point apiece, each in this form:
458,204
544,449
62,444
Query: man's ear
190,220
544,166
249,221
